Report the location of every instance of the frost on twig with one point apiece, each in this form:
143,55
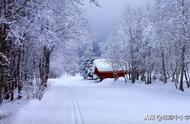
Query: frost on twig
3,60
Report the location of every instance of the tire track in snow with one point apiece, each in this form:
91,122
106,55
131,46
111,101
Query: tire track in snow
74,110
77,113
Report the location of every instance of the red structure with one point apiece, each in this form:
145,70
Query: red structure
107,72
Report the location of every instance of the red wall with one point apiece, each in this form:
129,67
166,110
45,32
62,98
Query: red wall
109,74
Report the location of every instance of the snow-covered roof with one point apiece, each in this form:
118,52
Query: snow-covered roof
102,65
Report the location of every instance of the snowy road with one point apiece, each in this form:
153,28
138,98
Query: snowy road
74,101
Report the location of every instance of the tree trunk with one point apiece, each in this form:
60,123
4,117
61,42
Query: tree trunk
18,80
133,75
182,69
186,76
143,75
164,75
44,66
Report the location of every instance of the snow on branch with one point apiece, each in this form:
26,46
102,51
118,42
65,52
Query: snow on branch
3,60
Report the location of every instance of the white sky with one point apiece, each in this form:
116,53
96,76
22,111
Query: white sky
103,19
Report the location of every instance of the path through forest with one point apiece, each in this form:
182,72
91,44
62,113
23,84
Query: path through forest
75,101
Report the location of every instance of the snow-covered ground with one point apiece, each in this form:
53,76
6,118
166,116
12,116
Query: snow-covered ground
9,109
71,100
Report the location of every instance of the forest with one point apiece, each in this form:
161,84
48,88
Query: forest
153,42
32,34
45,39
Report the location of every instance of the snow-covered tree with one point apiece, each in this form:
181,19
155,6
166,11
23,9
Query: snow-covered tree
172,33
86,68
31,31
153,40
